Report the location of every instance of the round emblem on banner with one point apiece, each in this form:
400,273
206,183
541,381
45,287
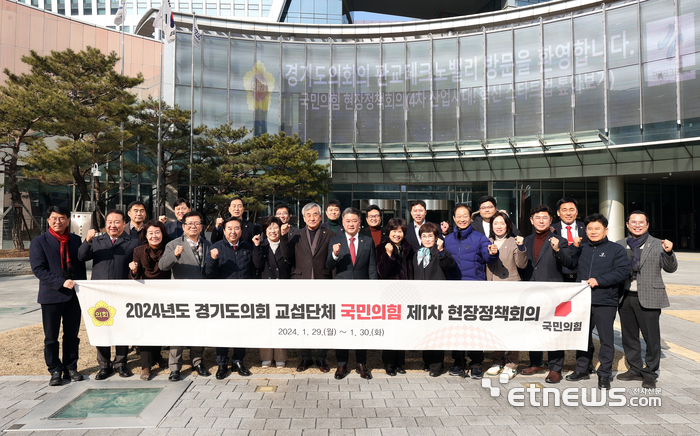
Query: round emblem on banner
259,83
102,314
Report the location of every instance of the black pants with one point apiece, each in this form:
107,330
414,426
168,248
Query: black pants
308,354
476,357
433,359
555,362
104,355
343,356
394,358
602,317
222,355
51,316
633,318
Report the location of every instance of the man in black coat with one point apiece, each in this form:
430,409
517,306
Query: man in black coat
353,257
111,254
181,207
545,265
137,217
306,251
418,213
570,228
53,257
604,265
230,258
248,229
481,221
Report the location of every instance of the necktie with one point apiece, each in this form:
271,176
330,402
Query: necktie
113,241
352,250
424,256
569,235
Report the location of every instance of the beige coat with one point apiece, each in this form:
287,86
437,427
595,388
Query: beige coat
510,258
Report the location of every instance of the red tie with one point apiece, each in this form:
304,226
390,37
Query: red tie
352,250
569,235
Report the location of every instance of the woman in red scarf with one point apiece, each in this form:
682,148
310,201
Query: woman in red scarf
154,237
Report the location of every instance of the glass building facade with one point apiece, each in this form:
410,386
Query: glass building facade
543,105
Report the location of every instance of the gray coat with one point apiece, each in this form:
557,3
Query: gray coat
186,266
650,286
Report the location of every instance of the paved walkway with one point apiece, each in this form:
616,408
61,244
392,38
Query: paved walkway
312,405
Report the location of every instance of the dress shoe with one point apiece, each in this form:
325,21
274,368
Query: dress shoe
304,365
72,375
221,372
390,370
323,366
363,371
202,370
531,370
629,376
553,377
578,376
145,374
649,383
241,369
435,373
56,379
174,376
603,382
124,371
104,373
400,369
341,372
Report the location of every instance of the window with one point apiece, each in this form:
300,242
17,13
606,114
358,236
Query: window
101,7
141,7
113,7
87,7
47,5
62,7
211,9
74,7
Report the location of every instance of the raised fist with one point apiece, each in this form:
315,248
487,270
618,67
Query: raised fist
256,240
90,234
444,226
134,267
214,253
336,249
440,244
389,247
493,249
519,240
667,245
178,250
555,244
163,219
286,228
219,221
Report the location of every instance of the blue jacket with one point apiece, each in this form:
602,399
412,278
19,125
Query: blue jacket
470,251
607,262
45,259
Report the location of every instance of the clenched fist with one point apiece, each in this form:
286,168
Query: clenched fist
555,244
134,267
667,245
493,249
214,253
69,284
219,221
577,241
519,240
286,228
178,250
90,234
336,249
444,226
256,240
440,244
389,247
163,219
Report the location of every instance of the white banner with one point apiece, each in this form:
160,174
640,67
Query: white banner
338,314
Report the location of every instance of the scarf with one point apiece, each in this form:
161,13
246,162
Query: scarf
65,251
635,245
424,256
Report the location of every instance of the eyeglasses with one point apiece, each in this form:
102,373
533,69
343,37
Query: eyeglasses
637,223
192,224
373,216
486,207
58,220
541,218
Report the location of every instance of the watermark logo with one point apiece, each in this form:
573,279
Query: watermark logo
536,395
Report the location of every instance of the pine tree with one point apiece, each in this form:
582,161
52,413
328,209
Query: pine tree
94,101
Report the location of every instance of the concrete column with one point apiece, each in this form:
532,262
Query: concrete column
612,198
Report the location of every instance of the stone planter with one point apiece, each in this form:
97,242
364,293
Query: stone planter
17,266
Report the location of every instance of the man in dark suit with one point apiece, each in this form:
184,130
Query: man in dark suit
352,256
248,229
230,258
111,254
185,256
137,216
418,213
481,220
643,298
181,207
545,265
54,259
306,251
374,227
570,228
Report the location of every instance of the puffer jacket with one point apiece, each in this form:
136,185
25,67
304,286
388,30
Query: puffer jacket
470,251
606,262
